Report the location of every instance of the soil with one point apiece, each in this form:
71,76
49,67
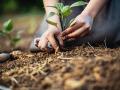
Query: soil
81,68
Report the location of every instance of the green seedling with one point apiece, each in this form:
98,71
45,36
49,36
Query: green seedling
63,12
6,32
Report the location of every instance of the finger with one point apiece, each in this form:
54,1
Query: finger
72,28
78,32
44,44
52,41
60,40
84,33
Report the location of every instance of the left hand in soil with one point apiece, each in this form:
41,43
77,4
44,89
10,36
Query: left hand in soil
79,27
47,41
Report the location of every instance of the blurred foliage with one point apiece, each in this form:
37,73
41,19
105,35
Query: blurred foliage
20,6
6,32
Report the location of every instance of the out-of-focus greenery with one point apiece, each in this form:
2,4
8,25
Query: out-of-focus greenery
20,6
6,32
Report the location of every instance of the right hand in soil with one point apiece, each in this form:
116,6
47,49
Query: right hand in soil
48,39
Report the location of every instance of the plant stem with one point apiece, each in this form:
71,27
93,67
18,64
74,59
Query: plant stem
11,41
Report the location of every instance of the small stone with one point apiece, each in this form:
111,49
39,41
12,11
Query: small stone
4,57
16,53
29,55
97,76
97,69
106,58
97,73
47,83
72,84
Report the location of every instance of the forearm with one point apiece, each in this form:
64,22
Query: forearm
94,7
48,9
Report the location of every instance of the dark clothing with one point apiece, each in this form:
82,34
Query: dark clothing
106,26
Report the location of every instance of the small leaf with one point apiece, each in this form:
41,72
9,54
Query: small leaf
59,6
16,39
51,22
66,11
79,3
8,26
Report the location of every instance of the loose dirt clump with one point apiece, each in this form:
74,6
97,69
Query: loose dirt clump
82,68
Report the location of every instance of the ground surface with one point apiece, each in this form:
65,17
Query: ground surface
81,68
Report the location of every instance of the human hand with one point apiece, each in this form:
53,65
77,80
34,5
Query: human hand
79,27
49,38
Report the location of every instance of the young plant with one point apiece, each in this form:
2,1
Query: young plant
6,32
63,12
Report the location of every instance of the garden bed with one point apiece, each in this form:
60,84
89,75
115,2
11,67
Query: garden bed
81,68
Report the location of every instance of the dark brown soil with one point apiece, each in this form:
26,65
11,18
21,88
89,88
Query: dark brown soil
82,68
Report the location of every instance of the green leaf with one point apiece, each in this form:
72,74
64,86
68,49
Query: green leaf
59,6
8,26
51,22
79,3
16,39
66,11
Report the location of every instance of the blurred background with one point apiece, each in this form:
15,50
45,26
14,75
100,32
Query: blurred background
26,16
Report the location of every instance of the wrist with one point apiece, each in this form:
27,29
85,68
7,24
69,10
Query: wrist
54,27
91,14
56,20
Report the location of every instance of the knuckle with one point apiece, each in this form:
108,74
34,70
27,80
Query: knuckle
81,21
